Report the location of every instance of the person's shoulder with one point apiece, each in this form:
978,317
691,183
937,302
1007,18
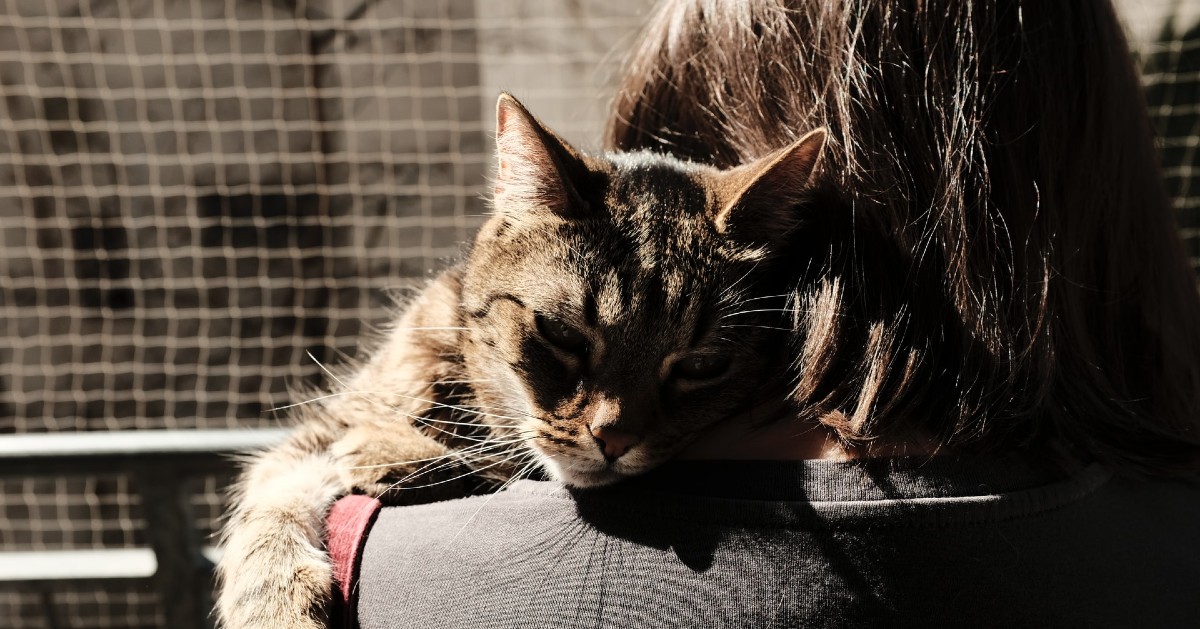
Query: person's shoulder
519,500
1175,497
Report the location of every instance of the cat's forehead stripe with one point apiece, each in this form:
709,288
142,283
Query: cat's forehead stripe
671,288
608,299
646,294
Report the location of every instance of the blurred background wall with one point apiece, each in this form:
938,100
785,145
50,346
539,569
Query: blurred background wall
197,195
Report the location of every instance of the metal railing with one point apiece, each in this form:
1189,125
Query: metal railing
177,564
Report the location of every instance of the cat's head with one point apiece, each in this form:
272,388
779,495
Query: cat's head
616,305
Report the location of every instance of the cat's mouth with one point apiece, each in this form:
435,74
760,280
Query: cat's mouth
583,478
580,470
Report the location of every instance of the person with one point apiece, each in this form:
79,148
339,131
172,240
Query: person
998,384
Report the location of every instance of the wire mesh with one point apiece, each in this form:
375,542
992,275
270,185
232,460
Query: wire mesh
202,194
198,195
1172,76
95,606
70,513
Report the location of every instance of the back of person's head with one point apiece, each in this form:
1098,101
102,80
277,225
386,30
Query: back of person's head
1014,276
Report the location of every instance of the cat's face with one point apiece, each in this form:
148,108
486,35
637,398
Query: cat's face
615,305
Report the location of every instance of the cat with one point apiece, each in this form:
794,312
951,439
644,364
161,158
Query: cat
610,308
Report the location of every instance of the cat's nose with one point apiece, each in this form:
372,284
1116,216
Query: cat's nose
612,442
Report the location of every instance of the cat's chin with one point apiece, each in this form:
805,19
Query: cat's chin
583,479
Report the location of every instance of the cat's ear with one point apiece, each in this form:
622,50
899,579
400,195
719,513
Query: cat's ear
758,202
535,169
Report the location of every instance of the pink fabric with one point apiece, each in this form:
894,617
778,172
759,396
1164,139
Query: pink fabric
346,528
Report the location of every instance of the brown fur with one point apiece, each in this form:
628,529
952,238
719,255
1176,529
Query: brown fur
650,261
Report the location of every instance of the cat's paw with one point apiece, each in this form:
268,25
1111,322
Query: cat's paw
374,460
273,582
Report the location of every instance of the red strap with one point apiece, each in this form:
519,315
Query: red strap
346,529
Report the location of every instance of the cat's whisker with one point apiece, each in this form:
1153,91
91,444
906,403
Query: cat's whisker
471,410
430,464
340,382
440,457
419,418
360,392
505,408
326,370
525,469
729,289
309,401
347,390
750,299
463,409
519,439
490,407
454,478
510,409
431,327
743,312
435,464
484,439
528,462
464,454
455,407
761,327
469,456
471,424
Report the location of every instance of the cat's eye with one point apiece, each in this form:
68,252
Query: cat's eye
562,335
701,366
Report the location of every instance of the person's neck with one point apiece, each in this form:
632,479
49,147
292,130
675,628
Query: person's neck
789,438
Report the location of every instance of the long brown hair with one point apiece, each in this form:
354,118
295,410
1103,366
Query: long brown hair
1012,274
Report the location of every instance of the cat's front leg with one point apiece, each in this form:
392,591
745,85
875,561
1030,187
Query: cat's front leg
273,570
402,435
399,465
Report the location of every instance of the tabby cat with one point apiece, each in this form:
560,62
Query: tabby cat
610,308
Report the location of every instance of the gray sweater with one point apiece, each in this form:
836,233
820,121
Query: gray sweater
893,543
